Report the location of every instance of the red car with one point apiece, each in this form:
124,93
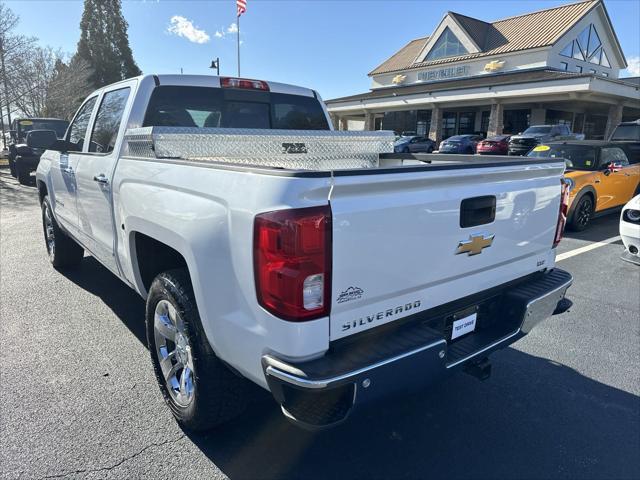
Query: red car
498,145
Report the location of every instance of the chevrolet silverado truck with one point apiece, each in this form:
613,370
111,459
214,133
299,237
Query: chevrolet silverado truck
23,160
315,263
524,142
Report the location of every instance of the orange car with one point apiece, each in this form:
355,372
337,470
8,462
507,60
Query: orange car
601,179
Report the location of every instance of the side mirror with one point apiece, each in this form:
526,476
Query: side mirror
611,167
43,139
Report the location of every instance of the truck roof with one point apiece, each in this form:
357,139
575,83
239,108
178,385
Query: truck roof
214,81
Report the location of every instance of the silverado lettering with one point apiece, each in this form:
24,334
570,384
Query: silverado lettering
380,315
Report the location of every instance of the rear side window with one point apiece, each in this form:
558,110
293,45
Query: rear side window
78,129
207,107
107,124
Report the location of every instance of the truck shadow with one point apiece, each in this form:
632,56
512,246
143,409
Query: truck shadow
125,303
534,418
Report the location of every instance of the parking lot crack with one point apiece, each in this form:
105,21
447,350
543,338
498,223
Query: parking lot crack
118,463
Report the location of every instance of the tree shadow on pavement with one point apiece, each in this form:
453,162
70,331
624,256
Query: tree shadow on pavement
533,419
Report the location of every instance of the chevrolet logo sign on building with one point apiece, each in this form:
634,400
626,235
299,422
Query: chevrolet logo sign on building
475,244
494,66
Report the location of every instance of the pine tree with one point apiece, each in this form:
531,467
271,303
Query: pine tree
104,43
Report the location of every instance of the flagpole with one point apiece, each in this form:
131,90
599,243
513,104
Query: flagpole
238,25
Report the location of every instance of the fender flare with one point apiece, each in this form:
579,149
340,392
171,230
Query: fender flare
584,191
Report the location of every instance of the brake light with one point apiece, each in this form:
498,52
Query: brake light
229,82
562,215
292,262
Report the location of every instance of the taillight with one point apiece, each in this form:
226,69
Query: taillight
562,215
292,262
229,82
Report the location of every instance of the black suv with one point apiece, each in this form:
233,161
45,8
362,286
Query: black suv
23,159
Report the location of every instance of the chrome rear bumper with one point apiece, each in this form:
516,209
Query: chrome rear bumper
323,392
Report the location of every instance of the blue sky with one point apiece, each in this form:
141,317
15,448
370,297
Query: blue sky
329,45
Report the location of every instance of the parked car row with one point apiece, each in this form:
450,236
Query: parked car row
23,160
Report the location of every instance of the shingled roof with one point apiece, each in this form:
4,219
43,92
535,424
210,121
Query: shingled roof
523,32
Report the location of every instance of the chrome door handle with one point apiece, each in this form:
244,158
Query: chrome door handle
101,179
68,170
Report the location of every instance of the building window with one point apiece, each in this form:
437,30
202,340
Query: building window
423,123
516,121
558,117
447,45
402,122
594,127
484,121
466,123
578,69
605,74
564,66
449,120
591,70
587,47
578,123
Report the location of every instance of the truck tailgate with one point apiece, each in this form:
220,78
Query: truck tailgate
396,234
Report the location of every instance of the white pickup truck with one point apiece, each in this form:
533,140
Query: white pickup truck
314,263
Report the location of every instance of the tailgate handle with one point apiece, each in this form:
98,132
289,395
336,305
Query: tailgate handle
477,211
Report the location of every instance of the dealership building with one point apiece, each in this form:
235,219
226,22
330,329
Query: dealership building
555,66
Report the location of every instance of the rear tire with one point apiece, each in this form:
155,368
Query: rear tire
582,214
23,174
201,391
12,167
63,251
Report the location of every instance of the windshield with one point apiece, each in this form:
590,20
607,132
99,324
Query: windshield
25,126
174,106
537,130
626,132
577,157
457,138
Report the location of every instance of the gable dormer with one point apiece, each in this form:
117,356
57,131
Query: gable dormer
450,39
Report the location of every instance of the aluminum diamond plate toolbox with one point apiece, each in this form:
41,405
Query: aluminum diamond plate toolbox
290,149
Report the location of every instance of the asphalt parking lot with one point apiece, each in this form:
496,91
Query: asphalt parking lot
78,398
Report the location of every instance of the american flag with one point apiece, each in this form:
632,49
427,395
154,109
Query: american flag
242,6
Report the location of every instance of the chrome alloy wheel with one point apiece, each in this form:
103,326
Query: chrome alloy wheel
174,353
49,232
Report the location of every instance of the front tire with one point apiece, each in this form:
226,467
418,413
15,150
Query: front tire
63,251
582,214
201,391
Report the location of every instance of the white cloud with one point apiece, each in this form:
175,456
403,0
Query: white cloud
633,69
183,27
233,28
218,34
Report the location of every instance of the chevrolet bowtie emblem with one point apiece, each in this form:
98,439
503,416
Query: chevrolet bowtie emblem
475,244
494,66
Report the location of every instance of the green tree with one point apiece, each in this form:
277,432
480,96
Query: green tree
104,43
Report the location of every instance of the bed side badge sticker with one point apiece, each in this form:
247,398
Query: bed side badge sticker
351,293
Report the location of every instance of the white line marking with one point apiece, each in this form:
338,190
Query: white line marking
588,248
